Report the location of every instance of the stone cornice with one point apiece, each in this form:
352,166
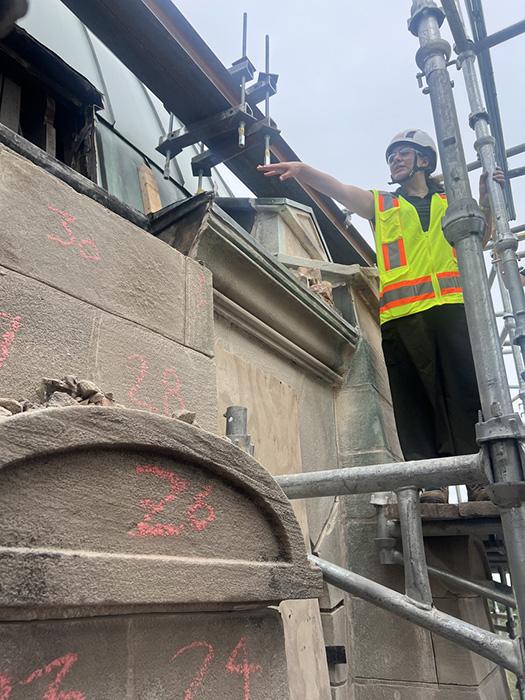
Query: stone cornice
255,281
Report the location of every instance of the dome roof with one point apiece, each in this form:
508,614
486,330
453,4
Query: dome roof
133,119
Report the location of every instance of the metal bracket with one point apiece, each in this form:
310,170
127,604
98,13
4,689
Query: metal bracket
265,85
423,9
242,68
500,428
225,150
462,219
439,47
212,127
474,117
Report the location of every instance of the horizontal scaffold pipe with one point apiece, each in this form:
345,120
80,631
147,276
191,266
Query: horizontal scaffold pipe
501,594
424,473
502,651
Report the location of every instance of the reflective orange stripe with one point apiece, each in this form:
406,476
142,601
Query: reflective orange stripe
407,300
406,292
402,254
394,254
448,282
405,283
387,201
386,257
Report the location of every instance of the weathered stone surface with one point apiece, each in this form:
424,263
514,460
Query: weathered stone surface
305,652
139,509
419,691
454,664
330,546
365,420
368,367
216,656
72,243
385,646
51,334
61,399
11,406
198,329
146,371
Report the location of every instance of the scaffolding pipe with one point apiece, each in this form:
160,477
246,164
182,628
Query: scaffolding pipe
477,20
502,651
506,243
423,473
463,225
513,151
484,590
417,584
502,35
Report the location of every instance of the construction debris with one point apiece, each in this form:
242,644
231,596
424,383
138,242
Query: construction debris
60,393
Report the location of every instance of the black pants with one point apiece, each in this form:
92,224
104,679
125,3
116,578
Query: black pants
434,391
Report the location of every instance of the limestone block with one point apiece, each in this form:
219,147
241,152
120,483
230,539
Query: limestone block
214,656
368,367
331,546
46,333
494,689
455,664
318,444
342,692
385,646
108,508
363,557
335,634
74,244
305,650
496,686
152,373
273,416
365,421
198,332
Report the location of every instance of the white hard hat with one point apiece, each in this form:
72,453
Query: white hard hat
420,141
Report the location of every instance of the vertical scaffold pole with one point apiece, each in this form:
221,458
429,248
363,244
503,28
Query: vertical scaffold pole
506,243
463,225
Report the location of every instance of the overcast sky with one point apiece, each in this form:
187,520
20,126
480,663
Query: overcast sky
347,80
347,77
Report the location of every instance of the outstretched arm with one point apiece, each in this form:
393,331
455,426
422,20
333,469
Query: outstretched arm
353,198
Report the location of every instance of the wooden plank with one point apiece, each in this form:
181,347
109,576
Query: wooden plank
49,126
149,190
10,105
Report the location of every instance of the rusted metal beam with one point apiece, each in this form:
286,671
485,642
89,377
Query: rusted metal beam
154,40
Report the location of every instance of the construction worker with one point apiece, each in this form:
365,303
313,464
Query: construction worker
424,331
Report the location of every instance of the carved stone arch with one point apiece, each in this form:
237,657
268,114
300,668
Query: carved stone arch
106,509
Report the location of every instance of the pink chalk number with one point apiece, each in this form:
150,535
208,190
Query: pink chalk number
170,380
6,340
237,663
198,515
52,692
87,247
203,668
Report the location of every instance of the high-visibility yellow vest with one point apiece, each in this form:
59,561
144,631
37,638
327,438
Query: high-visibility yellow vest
417,269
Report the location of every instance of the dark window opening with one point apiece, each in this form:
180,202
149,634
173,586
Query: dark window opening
47,102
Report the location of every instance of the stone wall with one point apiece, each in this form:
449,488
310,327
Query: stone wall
85,292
